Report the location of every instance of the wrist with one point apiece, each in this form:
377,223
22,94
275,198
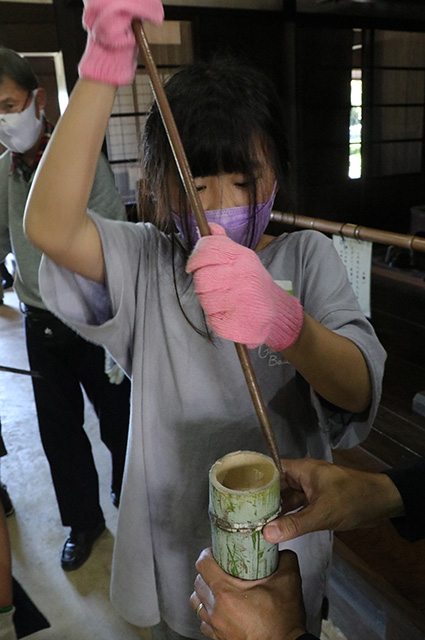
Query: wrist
110,66
383,499
393,504
287,322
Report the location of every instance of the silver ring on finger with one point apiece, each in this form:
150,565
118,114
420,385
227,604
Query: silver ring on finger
198,609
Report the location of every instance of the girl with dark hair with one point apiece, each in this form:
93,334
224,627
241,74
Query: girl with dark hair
317,359
229,119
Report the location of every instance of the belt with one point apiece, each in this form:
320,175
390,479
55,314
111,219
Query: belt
29,310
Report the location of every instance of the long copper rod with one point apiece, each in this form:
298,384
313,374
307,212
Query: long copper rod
349,230
195,203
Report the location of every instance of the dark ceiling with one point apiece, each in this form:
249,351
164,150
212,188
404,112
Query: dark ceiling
387,9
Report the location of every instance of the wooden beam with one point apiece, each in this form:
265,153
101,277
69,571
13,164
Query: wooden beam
28,27
71,36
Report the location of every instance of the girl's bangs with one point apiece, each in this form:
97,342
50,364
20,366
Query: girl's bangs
224,146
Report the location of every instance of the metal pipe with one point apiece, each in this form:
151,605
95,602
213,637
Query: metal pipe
34,374
350,230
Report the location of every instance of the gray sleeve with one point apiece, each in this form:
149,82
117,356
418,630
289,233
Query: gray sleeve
103,314
105,198
328,297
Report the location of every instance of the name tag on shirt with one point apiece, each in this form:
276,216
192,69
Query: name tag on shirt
357,257
286,285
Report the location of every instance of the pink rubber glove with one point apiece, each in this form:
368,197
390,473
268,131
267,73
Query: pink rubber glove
111,51
238,295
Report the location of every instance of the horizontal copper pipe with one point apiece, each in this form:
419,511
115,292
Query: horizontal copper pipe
349,230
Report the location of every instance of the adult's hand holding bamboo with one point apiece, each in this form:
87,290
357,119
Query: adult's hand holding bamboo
331,497
234,609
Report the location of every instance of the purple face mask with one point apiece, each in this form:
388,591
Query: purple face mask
238,222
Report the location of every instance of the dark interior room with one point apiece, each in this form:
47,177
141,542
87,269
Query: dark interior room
350,77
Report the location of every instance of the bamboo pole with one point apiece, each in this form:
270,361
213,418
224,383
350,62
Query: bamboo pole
349,230
195,203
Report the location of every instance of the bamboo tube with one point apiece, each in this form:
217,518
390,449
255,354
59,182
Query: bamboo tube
195,203
351,231
244,496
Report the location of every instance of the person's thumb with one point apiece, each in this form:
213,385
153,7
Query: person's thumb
291,525
216,229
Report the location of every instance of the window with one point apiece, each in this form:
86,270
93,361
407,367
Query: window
355,166
49,69
355,163
171,46
398,94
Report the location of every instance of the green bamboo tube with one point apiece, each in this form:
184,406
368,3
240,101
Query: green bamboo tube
244,495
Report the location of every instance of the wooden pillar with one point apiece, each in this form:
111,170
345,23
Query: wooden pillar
71,36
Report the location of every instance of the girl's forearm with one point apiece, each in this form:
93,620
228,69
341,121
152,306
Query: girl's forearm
333,365
55,218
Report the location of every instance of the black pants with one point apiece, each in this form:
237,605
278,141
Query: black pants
67,362
5,278
3,450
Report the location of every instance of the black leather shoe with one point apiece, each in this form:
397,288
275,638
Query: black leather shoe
6,501
78,546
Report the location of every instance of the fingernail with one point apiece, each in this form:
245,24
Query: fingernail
273,533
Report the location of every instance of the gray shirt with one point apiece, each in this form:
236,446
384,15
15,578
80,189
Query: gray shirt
191,405
14,191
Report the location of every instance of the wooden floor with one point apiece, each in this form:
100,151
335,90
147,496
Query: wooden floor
398,434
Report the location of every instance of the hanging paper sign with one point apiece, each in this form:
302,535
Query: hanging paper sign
357,258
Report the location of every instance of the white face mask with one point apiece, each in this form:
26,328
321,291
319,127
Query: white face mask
19,131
